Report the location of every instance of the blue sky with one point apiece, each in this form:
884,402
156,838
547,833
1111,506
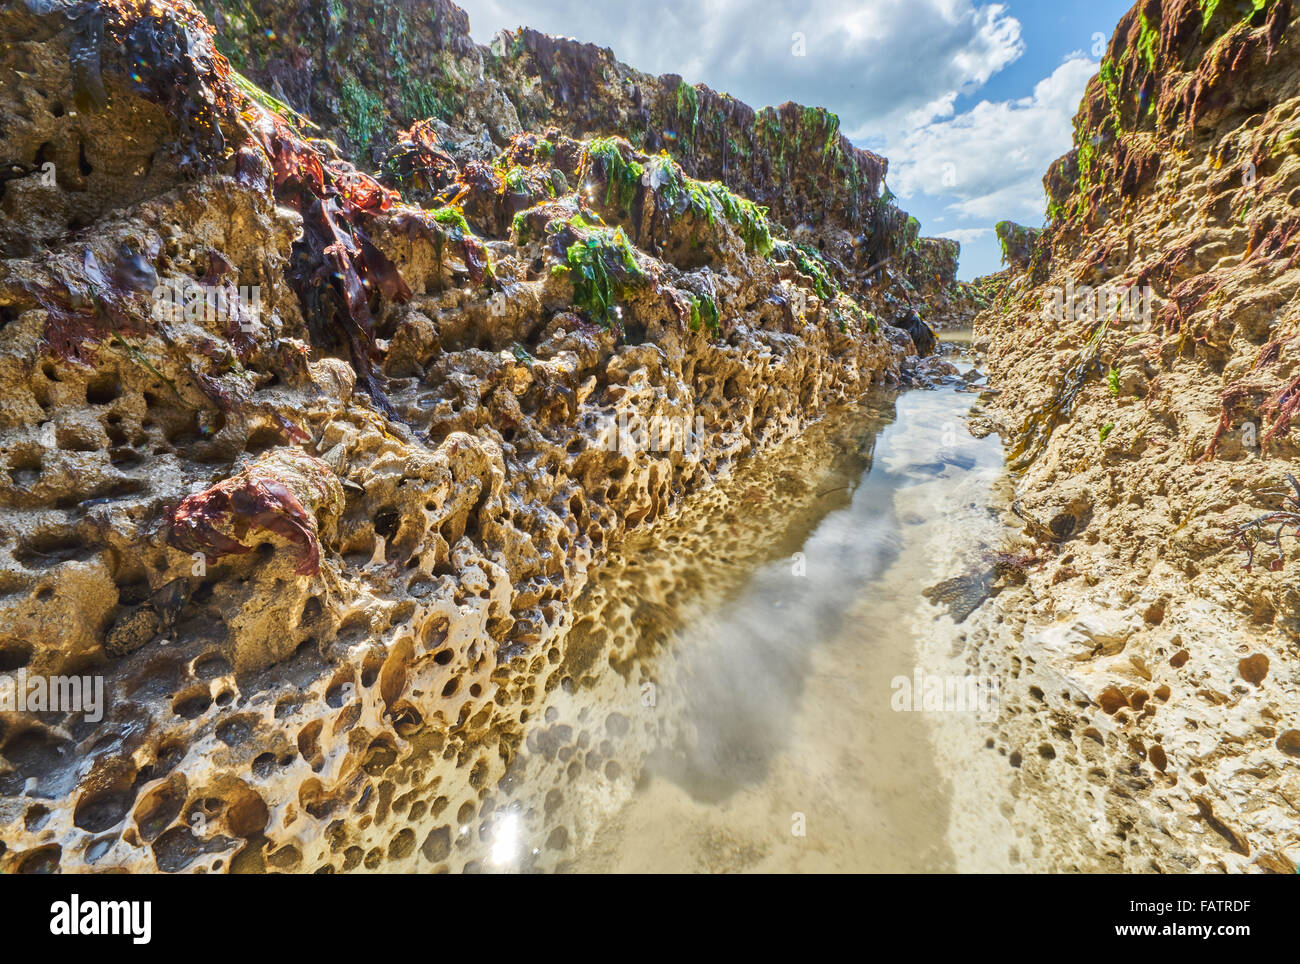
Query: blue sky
969,100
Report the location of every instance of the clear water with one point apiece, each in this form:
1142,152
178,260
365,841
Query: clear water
728,705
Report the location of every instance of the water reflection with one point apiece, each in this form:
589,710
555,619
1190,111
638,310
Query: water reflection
728,676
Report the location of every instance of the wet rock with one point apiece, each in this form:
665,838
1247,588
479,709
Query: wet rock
134,628
923,337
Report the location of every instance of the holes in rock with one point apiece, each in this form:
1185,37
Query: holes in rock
98,848
437,845
177,848
160,807
263,438
401,845
36,817
107,799
25,468
374,661
287,706
132,587
319,804
264,765
392,676
236,731
309,745
407,720
14,654
380,755
168,756
433,634
311,611
43,860
36,752
103,389
51,548
210,666
247,814
386,523
340,691
192,703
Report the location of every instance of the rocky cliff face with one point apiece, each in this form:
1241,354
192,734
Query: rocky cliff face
1157,618
366,72
310,473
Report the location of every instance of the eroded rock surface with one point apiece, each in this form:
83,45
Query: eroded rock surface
1142,729
321,526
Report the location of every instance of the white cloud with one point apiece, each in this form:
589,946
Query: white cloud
967,235
988,163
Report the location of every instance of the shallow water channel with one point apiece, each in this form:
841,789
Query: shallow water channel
729,696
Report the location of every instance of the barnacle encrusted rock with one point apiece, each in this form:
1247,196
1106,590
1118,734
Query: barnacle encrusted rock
313,474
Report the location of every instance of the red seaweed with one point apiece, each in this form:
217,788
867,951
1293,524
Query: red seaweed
246,502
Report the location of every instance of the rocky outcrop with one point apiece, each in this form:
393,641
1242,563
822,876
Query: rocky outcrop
367,71
930,285
1145,351
309,474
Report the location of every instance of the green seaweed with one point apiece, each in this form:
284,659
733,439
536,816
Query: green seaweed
704,314
1109,74
810,262
519,228
688,106
749,219
452,228
362,112
268,101
1148,39
603,268
622,177
1210,7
